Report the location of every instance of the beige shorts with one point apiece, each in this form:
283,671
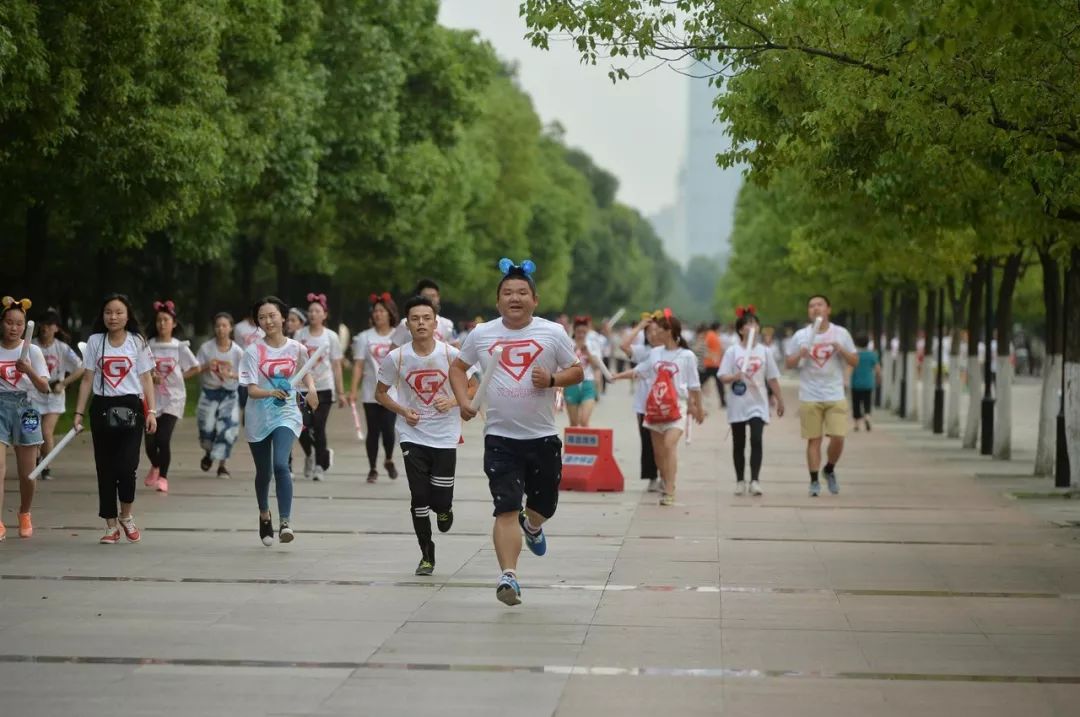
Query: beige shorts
679,425
823,418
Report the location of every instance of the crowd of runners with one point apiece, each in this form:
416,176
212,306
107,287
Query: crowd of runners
275,375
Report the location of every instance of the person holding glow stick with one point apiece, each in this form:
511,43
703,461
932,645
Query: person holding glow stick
370,347
750,369
638,352
23,372
581,399
273,421
821,353
218,413
522,449
118,374
65,368
318,456
173,365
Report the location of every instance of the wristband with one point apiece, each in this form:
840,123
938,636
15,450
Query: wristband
552,384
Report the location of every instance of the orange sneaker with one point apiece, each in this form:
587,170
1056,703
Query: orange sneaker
26,527
132,533
162,485
151,478
111,537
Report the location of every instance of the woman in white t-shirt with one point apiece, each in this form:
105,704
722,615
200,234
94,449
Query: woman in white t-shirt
218,412
173,365
273,421
751,372
20,422
581,398
118,373
370,347
672,363
637,352
65,368
318,457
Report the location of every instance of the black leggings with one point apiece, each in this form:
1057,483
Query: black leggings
159,443
314,436
116,452
648,460
714,373
380,424
738,435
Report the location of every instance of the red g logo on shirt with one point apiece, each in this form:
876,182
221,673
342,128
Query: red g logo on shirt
426,382
164,366
53,363
379,351
115,369
9,373
751,367
277,368
517,356
821,353
669,366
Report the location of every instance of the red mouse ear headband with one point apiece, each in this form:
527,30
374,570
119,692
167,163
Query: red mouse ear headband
667,312
166,306
319,299
376,298
741,311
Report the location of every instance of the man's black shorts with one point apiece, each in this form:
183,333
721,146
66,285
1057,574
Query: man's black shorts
523,468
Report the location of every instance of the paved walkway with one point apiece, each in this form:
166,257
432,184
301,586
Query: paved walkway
921,589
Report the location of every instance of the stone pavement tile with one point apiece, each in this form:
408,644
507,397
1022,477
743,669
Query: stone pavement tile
425,693
588,696
782,611
377,603
1057,654
636,571
700,549
754,697
1006,615
511,640
934,653
649,608
549,569
973,699
478,605
887,613
785,649
689,646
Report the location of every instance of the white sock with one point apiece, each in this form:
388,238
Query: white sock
511,572
530,527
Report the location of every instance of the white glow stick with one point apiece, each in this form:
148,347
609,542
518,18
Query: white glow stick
308,365
689,428
750,339
615,319
814,331
82,348
26,340
606,372
559,399
356,422
68,438
478,399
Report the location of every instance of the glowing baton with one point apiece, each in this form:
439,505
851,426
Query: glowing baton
68,438
26,341
615,319
478,399
356,422
308,365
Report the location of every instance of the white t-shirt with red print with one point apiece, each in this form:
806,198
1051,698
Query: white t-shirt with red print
821,377
11,378
118,369
639,353
222,368
246,333
759,366
323,371
60,358
681,362
444,331
583,356
270,368
172,359
372,348
419,379
515,409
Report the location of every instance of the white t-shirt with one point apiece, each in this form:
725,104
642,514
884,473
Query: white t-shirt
120,368
759,366
172,359
639,353
821,378
60,358
11,379
583,357
444,331
371,348
514,408
270,368
246,333
682,363
222,368
419,379
323,371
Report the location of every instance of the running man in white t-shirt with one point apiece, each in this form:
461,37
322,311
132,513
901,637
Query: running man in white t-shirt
430,428
522,449
821,359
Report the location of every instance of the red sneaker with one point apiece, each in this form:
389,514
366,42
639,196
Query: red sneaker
132,533
111,537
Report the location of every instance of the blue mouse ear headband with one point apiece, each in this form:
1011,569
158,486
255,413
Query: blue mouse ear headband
525,269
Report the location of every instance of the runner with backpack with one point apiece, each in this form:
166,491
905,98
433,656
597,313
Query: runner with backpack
674,394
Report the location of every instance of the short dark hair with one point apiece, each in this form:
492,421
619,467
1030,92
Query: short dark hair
745,319
819,296
425,284
281,306
715,326
418,301
224,315
862,339
389,305
521,276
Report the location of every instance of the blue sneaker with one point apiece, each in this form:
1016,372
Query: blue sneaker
508,591
815,489
834,487
537,543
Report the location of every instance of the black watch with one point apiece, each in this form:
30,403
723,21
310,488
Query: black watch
552,384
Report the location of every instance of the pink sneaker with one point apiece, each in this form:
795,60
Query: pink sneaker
152,477
162,485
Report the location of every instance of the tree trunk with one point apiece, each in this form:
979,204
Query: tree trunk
1003,386
974,378
284,274
37,250
958,304
929,364
909,316
877,322
890,375
204,281
1046,447
1072,368
249,250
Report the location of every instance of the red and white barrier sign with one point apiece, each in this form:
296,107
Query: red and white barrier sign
588,462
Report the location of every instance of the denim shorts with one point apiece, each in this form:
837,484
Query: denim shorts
20,422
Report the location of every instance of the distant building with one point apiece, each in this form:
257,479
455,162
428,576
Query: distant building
700,222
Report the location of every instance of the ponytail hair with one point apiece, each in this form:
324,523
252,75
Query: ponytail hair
670,322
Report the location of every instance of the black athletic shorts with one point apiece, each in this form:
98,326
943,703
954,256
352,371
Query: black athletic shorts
523,468
426,466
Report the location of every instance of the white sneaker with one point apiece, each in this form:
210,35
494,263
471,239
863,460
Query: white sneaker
318,473
654,485
309,466
755,488
740,487
330,462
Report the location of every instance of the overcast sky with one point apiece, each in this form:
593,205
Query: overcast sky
635,129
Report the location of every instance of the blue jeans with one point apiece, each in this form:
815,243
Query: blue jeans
271,456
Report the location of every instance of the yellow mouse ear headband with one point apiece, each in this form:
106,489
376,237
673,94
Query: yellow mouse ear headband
9,301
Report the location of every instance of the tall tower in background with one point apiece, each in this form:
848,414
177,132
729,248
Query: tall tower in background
700,222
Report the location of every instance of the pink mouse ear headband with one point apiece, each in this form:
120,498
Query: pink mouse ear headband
383,297
166,306
319,299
